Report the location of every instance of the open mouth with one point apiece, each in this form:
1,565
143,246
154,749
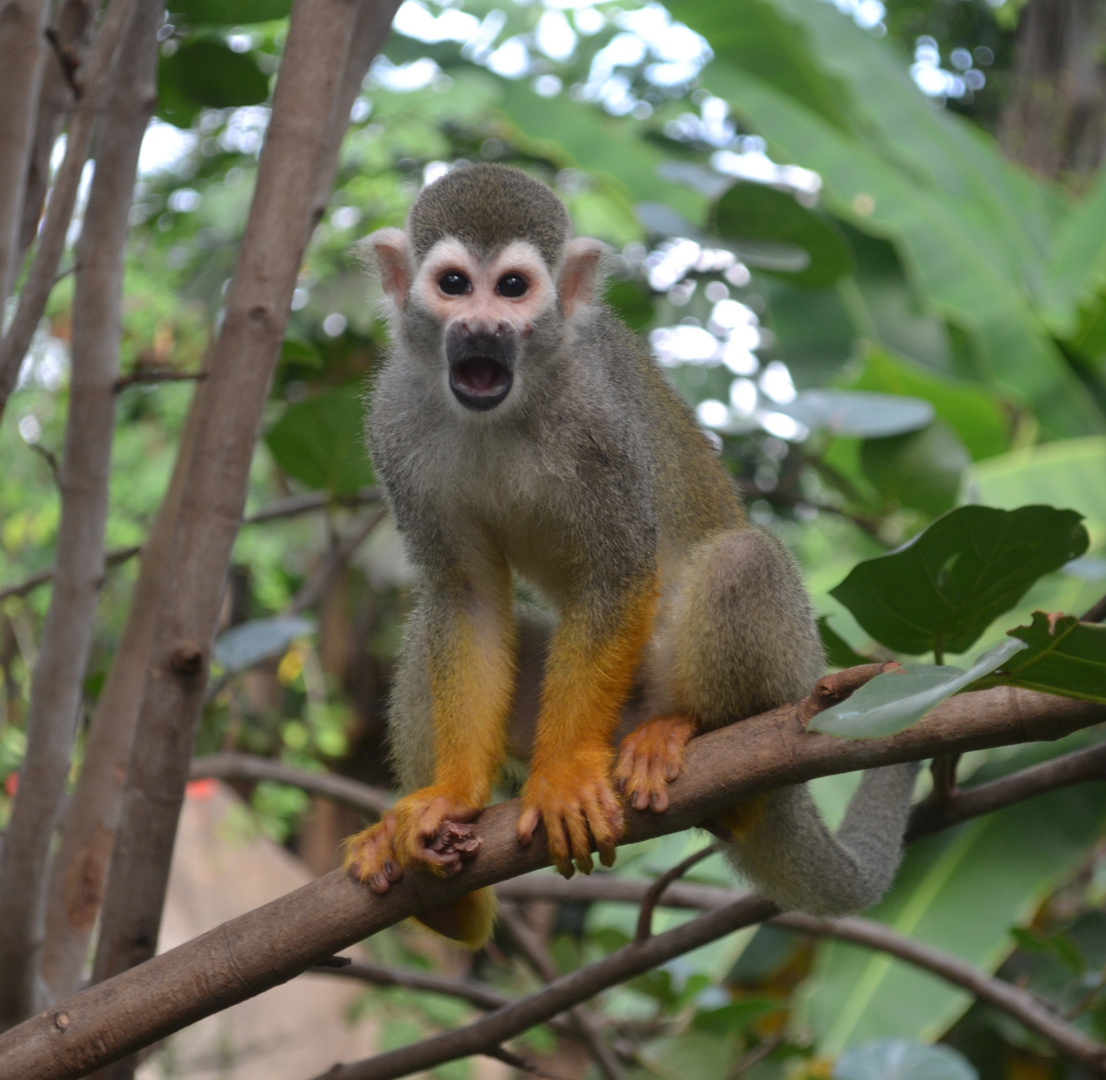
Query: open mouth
479,382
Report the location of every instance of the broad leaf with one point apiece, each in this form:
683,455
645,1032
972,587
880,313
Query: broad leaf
891,702
321,442
899,1059
758,213
208,74
1065,657
228,12
976,416
839,653
923,470
940,591
248,644
959,891
850,412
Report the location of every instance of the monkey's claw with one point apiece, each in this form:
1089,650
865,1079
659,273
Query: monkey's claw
370,856
576,805
650,758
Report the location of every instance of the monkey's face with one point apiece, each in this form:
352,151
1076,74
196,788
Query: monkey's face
487,308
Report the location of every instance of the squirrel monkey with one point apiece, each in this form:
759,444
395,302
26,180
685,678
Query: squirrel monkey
519,427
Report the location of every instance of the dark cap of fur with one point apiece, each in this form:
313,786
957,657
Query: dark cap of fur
488,206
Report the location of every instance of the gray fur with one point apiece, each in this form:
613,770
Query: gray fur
560,485
488,206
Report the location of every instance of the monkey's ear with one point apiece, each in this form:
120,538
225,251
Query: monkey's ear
389,249
580,274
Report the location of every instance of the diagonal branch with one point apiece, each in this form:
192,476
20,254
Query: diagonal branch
1018,1003
274,943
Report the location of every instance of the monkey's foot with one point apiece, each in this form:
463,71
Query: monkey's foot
370,855
573,799
433,830
650,758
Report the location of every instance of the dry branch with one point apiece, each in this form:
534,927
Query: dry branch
57,682
268,946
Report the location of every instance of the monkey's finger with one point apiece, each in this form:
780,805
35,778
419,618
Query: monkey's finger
560,846
527,823
579,840
605,816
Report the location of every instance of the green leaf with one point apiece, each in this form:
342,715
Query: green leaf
839,653
959,891
758,213
922,469
1065,473
249,643
899,1059
977,417
321,442
299,351
941,590
228,12
1077,268
1064,656
209,74
894,700
850,412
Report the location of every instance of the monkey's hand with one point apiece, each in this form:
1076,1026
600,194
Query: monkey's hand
651,758
573,798
431,830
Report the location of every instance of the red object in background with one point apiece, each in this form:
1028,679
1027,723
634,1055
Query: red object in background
11,784
200,789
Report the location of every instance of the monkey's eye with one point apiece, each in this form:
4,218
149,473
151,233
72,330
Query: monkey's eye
454,283
512,286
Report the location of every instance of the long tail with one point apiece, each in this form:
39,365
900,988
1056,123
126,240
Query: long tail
789,854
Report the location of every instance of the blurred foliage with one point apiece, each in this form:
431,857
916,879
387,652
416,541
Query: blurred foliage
880,318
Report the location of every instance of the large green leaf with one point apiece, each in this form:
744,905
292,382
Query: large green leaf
959,891
852,412
894,700
228,12
940,591
923,470
900,1059
757,212
1066,473
208,74
321,442
978,419
1078,266
1064,656
973,236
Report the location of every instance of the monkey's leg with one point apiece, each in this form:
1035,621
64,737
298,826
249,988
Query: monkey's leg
588,677
737,637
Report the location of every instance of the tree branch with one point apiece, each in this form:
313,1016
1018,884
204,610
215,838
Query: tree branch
585,1024
58,678
274,943
1019,1003
235,766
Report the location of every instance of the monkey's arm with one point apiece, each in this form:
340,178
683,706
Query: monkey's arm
448,721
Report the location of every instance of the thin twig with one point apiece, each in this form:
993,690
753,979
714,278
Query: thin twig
336,557
1078,767
28,585
585,1023
1018,1003
236,766
1096,613
157,376
509,1057
656,890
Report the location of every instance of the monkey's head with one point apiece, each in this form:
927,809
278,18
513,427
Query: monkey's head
484,276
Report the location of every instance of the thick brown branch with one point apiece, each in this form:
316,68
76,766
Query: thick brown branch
1020,1004
278,941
